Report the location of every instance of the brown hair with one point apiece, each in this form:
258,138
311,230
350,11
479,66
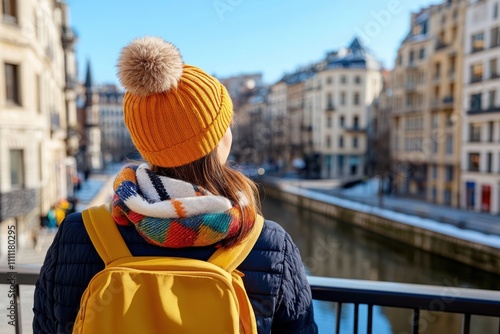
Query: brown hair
220,180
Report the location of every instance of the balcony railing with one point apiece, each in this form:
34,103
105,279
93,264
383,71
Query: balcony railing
406,296
415,297
354,128
476,79
494,75
330,107
492,109
448,99
441,45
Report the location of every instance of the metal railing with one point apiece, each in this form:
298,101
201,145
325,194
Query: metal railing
21,275
415,297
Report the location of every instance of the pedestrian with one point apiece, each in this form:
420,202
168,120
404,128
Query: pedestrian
179,119
52,218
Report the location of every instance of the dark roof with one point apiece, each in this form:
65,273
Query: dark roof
354,56
356,45
88,77
300,75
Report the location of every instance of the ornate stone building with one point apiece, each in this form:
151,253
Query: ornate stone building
37,110
337,101
426,113
480,183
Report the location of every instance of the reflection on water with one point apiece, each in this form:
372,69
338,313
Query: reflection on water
333,249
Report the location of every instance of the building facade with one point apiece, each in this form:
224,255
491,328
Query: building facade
241,87
277,126
379,131
37,100
89,157
116,142
296,93
426,121
480,182
337,102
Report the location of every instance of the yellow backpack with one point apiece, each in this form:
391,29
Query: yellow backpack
145,294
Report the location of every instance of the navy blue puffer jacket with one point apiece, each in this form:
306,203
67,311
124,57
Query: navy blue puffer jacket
274,278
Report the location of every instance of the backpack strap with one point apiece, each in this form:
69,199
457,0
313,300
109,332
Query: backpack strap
230,258
104,234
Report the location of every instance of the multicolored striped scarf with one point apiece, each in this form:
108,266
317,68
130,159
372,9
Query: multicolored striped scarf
172,213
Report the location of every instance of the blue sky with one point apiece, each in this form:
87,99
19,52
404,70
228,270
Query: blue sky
230,37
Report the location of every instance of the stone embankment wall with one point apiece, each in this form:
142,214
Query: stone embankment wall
440,239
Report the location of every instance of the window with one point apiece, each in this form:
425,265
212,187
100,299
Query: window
437,70
12,84
354,163
495,11
492,98
340,161
449,143
355,142
328,141
329,102
356,99
449,174
356,122
476,73
341,141
412,57
329,122
343,79
329,80
475,102
435,121
475,132
357,79
451,62
38,93
342,121
447,197
477,42
495,37
9,10
16,168
474,159
493,68
440,42
342,98
491,132
489,162
434,172
421,53
424,27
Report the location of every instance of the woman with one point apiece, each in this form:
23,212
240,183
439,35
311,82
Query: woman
178,117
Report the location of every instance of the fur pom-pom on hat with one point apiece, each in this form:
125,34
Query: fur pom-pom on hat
149,65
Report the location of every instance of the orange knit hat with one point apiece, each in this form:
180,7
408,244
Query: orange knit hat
175,113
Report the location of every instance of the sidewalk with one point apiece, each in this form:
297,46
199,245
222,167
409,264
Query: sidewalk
463,219
97,190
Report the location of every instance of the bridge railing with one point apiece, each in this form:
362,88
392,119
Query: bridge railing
416,297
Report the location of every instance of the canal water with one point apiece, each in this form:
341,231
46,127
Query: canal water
333,249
